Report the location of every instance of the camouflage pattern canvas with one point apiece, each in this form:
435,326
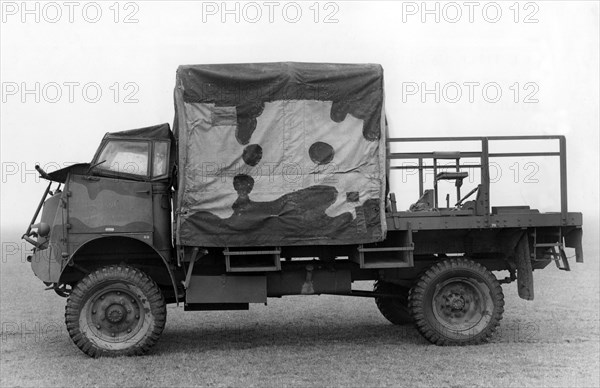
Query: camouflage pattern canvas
279,154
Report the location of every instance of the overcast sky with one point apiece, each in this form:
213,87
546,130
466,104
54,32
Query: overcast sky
72,71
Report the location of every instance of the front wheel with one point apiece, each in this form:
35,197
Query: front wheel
115,311
457,302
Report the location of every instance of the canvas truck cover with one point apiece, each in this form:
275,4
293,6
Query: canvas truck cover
276,154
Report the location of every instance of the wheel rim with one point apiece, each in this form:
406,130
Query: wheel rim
462,305
115,316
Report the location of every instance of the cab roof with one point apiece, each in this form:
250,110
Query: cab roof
155,132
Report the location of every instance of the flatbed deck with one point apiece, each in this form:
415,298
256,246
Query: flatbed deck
435,220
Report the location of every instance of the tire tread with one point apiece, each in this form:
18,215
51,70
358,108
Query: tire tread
126,273
417,306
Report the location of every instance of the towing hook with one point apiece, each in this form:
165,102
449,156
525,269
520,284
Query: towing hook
61,289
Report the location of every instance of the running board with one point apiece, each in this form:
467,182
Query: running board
557,253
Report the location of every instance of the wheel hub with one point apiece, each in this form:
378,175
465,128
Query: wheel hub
115,313
458,304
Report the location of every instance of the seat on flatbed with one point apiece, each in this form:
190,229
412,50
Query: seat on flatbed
451,175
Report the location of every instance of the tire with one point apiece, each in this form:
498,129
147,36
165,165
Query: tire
115,311
394,310
456,302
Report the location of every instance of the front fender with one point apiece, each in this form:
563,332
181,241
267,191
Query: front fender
113,243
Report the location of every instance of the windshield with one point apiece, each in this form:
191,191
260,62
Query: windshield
127,157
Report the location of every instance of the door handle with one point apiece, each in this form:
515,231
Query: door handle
143,192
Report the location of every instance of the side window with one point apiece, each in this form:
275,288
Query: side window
161,159
128,157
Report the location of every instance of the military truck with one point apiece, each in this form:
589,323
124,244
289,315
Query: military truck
275,181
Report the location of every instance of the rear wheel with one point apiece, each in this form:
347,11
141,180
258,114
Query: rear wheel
457,302
114,311
395,309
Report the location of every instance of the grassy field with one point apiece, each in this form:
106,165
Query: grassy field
311,341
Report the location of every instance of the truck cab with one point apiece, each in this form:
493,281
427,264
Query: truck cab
116,207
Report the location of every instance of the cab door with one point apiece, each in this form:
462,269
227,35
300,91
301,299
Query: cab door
102,205
115,197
